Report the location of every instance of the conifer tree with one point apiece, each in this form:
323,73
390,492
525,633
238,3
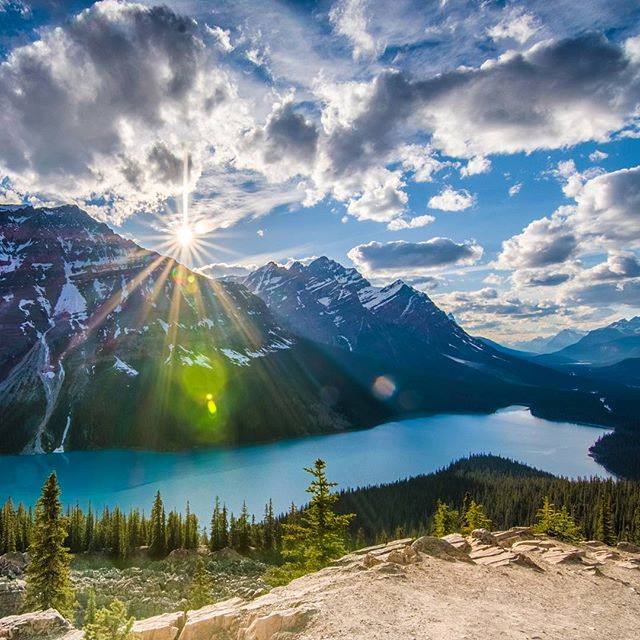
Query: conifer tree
558,524
445,520
605,531
48,574
201,586
111,623
158,532
318,536
7,528
90,608
268,528
476,518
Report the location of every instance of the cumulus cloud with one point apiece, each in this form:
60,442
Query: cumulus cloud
399,224
225,270
381,197
555,94
451,200
421,161
476,166
598,155
412,259
517,24
92,106
543,242
349,20
487,309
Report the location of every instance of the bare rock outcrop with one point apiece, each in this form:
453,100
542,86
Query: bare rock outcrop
40,625
503,584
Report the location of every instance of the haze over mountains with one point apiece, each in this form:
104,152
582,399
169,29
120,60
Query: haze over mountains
113,345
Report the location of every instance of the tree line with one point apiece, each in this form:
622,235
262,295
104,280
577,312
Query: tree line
511,493
119,534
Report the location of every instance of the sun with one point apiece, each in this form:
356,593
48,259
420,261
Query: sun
184,235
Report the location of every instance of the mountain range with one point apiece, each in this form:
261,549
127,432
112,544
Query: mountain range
550,344
108,344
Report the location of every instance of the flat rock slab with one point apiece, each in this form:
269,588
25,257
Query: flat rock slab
163,627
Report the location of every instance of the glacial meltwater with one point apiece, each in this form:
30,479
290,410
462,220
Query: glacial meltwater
275,470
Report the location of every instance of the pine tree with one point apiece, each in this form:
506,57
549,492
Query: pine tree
90,608
111,623
243,530
476,518
558,524
48,574
268,528
445,520
201,587
7,528
318,536
605,531
158,542
636,525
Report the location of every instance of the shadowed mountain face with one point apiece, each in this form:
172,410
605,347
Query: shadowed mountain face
107,344
558,341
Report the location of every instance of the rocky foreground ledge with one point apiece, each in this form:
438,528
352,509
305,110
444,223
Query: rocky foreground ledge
509,584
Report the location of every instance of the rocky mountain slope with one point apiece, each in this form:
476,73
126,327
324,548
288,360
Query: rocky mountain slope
331,304
605,346
509,584
552,343
107,344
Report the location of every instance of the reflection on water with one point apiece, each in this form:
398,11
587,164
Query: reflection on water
256,473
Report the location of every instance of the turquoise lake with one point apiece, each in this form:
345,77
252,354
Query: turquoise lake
256,473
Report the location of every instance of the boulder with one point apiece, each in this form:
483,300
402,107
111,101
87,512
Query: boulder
227,554
215,619
370,561
559,555
458,541
407,555
39,625
512,535
13,565
439,548
11,596
278,622
163,627
484,536
629,547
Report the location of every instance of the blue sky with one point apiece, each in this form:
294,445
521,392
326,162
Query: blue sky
486,152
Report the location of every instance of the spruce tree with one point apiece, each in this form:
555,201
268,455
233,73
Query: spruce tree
318,534
445,520
111,623
158,542
48,574
8,528
201,587
476,518
90,608
605,531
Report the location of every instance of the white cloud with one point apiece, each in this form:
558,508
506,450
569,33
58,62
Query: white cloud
517,24
380,197
514,189
260,232
598,155
399,224
476,166
451,200
349,20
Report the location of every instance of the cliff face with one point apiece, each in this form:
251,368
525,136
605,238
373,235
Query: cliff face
504,585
